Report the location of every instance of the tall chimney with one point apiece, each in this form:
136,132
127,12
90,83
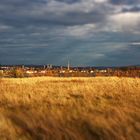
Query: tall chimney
68,65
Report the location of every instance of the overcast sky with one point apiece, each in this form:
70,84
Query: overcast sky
87,32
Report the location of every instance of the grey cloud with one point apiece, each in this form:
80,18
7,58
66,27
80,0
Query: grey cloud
68,1
51,31
128,2
124,56
131,9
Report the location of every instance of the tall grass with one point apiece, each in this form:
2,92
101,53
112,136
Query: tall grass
101,108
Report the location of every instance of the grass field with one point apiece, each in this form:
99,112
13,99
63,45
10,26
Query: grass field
101,108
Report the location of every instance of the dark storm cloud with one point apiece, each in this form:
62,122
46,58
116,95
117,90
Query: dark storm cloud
88,32
55,12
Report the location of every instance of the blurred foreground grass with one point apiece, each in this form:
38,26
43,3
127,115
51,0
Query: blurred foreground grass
101,108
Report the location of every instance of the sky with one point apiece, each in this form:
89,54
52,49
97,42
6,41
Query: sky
85,32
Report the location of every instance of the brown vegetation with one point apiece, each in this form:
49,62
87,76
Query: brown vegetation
101,108
21,72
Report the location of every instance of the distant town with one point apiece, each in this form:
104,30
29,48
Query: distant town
19,71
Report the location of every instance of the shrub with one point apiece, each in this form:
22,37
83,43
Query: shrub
1,73
17,73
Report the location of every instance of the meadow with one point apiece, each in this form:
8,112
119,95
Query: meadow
45,108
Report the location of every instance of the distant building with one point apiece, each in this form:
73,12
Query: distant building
91,71
49,66
42,72
31,71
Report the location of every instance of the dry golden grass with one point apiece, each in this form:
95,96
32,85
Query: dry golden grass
102,108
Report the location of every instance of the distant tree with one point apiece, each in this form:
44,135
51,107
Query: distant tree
17,73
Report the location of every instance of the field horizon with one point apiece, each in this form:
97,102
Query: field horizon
84,108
